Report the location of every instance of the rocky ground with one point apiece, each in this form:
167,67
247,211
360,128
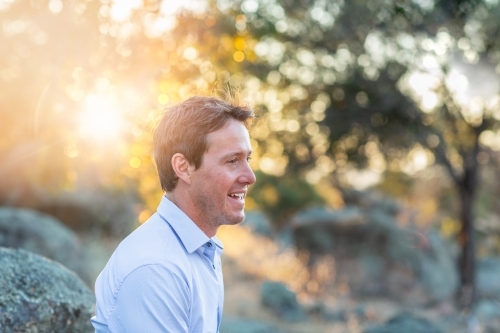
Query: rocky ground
243,309
376,276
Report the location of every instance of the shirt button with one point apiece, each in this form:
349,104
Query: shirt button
209,244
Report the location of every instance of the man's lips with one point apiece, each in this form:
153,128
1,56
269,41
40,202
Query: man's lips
240,195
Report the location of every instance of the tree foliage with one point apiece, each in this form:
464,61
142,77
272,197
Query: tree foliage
359,66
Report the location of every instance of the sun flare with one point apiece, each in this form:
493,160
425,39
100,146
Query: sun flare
101,119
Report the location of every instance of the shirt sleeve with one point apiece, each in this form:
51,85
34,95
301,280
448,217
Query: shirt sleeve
153,299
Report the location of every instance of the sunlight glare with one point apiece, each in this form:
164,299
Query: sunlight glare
457,82
417,160
5,4
422,83
173,7
164,20
362,179
101,119
429,102
121,10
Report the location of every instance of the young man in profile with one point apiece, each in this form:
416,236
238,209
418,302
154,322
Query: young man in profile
166,276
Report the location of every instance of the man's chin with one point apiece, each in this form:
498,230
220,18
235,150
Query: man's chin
237,219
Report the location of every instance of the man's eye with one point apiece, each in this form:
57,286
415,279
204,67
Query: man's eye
233,161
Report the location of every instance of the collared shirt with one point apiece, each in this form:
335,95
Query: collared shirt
164,277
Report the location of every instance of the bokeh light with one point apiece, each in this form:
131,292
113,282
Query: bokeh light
101,120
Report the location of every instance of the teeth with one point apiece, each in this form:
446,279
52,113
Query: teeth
238,195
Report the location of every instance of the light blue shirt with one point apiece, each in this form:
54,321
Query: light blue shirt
164,277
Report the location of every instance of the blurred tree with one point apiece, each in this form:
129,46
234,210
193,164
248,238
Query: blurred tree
281,197
381,86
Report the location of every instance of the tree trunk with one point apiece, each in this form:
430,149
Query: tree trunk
467,189
466,242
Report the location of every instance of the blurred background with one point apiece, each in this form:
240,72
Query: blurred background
376,148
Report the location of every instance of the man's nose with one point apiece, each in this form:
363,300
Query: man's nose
248,177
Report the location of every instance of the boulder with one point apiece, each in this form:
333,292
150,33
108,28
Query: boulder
436,267
405,323
41,234
369,200
282,301
373,253
361,313
485,309
348,216
239,325
350,231
315,229
488,277
259,223
40,295
105,211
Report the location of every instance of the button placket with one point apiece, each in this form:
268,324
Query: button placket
209,253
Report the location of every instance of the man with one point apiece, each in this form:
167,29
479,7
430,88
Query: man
166,276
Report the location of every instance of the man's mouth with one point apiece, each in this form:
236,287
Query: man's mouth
239,196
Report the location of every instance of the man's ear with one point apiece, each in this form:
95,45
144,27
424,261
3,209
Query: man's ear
182,167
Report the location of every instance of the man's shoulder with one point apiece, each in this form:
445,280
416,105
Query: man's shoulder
152,258
153,243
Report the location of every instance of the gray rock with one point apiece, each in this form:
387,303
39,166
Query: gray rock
361,312
437,269
110,212
370,200
335,316
373,264
349,231
282,301
40,295
239,325
348,216
487,309
41,234
488,277
405,323
357,198
258,222
374,252
316,229
284,238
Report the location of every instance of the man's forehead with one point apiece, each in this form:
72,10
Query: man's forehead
232,129
229,147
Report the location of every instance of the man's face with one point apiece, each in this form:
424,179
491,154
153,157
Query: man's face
219,186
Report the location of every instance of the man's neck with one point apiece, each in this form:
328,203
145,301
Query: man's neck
180,201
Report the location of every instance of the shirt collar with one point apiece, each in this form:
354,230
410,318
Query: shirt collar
191,236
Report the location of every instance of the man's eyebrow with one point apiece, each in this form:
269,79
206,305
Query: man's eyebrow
238,153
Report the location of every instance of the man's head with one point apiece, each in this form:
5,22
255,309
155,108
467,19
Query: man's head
184,129
202,150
